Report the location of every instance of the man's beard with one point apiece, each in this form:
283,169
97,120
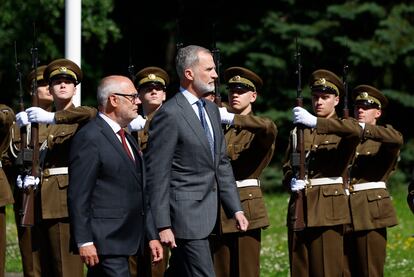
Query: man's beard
202,87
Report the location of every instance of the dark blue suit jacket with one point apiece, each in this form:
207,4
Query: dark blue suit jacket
106,199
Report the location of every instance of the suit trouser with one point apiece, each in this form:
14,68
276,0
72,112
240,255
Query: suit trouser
316,251
365,252
110,266
2,240
55,257
141,265
237,254
191,258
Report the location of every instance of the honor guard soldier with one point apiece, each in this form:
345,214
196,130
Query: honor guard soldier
151,83
250,141
329,144
29,254
62,76
372,210
6,195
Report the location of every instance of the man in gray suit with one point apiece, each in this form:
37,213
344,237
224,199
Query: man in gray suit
188,169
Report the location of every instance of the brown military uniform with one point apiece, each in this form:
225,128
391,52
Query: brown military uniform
54,228
141,265
54,234
371,206
6,196
250,146
317,250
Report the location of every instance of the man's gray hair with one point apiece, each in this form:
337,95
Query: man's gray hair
107,86
187,57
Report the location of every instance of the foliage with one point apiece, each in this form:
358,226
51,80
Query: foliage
375,38
18,19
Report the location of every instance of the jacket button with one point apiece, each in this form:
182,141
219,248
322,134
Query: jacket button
250,195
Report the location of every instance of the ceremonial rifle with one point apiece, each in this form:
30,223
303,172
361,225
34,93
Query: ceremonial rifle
298,154
346,115
27,211
216,56
24,157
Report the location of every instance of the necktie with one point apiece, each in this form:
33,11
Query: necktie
121,133
200,104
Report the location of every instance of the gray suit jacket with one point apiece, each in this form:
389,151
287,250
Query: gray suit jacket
183,181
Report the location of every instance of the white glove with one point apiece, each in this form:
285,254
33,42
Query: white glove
362,124
22,119
39,115
302,116
31,181
296,185
19,181
226,117
137,124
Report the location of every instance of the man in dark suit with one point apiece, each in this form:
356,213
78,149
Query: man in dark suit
188,169
109,212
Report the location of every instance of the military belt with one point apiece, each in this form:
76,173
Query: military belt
324,181
369,185
248,183
55,171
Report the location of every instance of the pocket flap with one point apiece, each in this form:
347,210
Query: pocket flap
188,195
250,193
332,191
374,195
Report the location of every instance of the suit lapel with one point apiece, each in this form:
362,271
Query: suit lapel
117,145
193,121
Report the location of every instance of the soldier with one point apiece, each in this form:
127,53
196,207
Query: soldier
370,202
62,75
250,143
6,196
30,256
329,144
151,83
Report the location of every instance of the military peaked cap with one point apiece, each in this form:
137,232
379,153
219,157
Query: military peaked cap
239,77
39,77
369,96
150,75
323,80
63,68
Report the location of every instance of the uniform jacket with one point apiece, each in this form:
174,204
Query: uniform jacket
143,134
6,122
106,196
53,188
329,149
376,158
184,181
250,146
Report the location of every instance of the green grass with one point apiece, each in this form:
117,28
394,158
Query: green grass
274,259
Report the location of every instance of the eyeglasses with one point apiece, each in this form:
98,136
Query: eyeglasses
132,100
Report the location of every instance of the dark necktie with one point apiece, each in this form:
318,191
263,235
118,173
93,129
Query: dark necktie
121,133
200,104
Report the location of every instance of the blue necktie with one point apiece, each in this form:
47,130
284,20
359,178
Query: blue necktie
200,104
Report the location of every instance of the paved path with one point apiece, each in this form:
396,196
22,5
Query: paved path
12,274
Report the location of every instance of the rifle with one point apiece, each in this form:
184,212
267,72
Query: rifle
27,211
346,115
216,56
24,157
298,154
344,80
